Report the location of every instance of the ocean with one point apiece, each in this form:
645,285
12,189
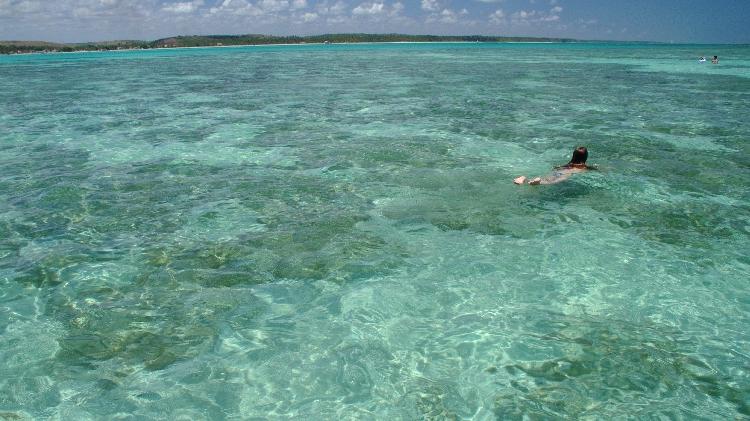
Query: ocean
323,232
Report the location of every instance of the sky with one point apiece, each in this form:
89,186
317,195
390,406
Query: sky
680,21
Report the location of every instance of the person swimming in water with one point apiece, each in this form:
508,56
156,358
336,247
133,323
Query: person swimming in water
577,164
715,60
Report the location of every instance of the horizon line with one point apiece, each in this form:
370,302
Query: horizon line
372,34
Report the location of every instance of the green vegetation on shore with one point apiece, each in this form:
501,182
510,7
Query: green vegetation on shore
19,47
24,47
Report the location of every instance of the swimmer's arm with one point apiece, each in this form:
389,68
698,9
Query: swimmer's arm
562,173
551,179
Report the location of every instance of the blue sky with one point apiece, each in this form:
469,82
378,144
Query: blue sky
702,21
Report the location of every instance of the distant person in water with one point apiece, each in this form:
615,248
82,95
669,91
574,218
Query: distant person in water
577,164
715,60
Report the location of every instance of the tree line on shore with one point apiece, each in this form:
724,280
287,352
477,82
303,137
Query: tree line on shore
16,47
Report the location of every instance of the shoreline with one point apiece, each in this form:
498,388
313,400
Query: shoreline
576,42
296,44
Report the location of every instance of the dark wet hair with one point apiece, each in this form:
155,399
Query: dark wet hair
580,155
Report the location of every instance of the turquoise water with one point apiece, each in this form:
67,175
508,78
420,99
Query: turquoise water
331,232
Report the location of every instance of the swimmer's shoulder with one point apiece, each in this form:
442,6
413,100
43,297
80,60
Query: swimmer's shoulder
573,168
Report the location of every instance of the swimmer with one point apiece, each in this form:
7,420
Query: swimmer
715,60
577,164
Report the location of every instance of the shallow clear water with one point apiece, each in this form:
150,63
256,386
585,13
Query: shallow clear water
331,232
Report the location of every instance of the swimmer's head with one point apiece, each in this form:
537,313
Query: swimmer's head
580,155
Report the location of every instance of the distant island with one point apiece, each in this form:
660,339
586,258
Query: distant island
25,47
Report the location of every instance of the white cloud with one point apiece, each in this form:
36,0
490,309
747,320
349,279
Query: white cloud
529,17
554,14
61,12
83,12
430,5
236,8
378,10
182,7
335,20
310,17
244,7
523,15
445,16
332,13
335,9
448,16
5,7
273,5
397,8
298,4
584,23
369,9
498,16
28,6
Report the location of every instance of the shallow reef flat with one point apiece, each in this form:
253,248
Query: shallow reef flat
330,232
